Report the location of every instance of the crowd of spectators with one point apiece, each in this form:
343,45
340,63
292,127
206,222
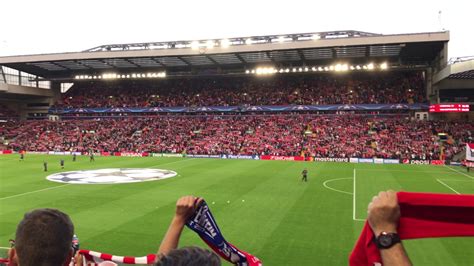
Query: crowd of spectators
6,112
361,88
288,135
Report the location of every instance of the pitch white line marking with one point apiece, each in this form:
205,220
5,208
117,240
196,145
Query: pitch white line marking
456,180
34,191
337,190
354,197
452,169
441,182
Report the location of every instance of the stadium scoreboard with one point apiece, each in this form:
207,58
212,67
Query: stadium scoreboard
449,108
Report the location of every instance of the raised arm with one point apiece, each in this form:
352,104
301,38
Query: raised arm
384,214
185,207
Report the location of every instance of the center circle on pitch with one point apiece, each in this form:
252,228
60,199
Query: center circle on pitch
111,176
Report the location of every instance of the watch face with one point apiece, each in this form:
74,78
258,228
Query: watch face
385,240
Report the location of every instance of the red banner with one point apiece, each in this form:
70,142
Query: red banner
437,162
281,158
6,152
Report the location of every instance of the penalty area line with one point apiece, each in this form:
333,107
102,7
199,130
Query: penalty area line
337,190
455,170
446,185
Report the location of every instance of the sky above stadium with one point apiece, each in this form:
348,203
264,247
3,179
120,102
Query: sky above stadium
53,26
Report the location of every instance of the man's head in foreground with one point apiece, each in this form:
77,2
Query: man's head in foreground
43,238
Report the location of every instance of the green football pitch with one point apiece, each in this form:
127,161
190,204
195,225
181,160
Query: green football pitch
261,206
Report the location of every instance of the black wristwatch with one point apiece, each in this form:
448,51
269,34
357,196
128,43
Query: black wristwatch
387,240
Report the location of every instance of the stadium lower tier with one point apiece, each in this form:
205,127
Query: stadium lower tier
361,88
283,135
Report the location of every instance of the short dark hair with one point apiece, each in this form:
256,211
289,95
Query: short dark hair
189,256
43,238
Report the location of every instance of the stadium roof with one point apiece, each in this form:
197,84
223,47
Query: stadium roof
460,68
234,55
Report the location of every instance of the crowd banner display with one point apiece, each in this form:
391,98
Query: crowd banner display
261,108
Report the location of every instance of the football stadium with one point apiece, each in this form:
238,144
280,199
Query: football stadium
287,138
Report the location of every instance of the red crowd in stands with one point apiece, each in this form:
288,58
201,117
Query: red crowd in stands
7,112
290,135
278,90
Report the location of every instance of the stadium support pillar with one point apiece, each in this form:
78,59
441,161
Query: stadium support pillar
56,90
431,94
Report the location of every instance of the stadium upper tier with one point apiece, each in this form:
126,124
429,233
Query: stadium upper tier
312,135
368,88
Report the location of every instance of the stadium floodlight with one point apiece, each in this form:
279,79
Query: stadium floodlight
344,67
358,67
306,69
314,69
134,75
384,66
281,70
76,77
247,71
370,66
320,69
338,67
365,67
300,69
248,41
194,45
148,75
287,70
331,68
253,71
352,67
326,68
123,76
294,69
225,43
210,44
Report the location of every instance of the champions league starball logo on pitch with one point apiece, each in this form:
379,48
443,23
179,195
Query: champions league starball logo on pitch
111,176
